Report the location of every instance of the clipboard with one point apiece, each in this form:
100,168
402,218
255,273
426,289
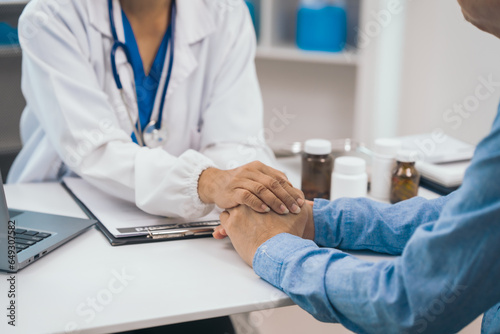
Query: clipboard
181,231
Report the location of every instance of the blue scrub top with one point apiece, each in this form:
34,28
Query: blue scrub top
145,86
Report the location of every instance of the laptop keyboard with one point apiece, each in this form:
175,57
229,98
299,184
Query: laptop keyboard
27,238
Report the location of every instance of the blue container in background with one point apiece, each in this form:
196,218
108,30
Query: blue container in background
253,14
8,35
322,25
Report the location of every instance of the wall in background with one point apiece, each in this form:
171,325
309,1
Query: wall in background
317,89
443,58
337,95
319,97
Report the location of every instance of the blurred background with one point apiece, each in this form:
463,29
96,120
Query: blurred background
401,72
11,98
402,69
360,69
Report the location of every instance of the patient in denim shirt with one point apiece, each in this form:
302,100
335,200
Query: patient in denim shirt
446,269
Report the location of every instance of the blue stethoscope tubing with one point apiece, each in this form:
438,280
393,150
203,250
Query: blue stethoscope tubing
119,45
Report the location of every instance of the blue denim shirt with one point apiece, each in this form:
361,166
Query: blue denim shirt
446,272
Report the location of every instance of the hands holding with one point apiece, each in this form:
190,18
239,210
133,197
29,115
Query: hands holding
256,185
249,229
259,200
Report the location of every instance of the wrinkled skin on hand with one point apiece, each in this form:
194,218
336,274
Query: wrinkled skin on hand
256,185
249,229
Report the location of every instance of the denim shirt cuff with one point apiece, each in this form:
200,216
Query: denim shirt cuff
272,254
326,226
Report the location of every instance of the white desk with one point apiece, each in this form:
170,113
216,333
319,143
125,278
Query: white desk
173,281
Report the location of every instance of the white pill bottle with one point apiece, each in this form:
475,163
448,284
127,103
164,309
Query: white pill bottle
384,162
349,178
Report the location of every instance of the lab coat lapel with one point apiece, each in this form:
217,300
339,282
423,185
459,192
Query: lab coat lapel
99,15
192,25
99,19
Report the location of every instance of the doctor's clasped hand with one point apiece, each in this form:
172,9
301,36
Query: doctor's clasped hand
256,185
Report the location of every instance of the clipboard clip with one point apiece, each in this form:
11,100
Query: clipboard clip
201,229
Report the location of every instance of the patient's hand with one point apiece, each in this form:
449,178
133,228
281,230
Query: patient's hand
249,229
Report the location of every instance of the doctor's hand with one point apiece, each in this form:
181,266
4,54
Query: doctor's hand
256,185
249,229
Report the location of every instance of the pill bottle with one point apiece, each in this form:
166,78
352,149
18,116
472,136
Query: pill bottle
322,25
405,178
317,166
383,164
349,178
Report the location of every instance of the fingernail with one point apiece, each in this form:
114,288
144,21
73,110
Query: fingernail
301,201
265,208
295,208
284,209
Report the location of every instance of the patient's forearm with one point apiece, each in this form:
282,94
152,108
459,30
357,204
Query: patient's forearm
363,224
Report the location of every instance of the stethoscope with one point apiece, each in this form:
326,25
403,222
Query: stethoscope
154,135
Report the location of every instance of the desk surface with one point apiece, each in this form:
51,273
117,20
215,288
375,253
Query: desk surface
167,282
87,286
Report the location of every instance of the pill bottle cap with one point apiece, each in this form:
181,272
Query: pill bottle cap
350,166
387,146
407,156
318,147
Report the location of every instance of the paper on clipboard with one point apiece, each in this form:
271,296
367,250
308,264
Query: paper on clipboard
124,219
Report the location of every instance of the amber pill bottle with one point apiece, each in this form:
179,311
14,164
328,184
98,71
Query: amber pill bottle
405,178
317,166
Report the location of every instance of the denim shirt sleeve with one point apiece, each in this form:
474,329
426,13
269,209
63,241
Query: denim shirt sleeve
363,224
446,276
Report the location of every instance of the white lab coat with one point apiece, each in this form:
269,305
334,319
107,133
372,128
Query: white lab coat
75,120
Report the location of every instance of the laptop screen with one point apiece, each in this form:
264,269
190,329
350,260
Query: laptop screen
8,254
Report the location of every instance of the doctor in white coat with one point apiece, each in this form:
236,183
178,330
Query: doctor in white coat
77,121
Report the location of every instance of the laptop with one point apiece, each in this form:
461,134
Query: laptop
26,236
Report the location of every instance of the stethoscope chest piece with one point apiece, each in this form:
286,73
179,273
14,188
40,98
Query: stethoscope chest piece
154,137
